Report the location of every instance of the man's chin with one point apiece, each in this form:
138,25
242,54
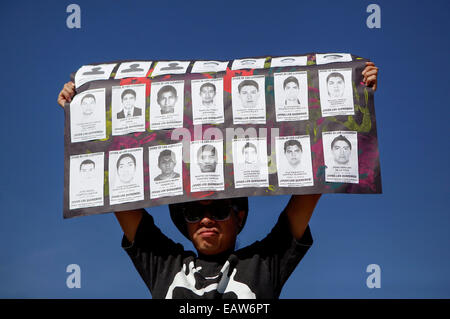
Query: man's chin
208,246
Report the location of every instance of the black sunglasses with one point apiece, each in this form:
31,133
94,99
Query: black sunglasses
194,212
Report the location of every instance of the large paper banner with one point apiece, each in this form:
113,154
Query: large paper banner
147,133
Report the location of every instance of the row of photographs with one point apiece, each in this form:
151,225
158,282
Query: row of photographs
128,103
89,73
250,167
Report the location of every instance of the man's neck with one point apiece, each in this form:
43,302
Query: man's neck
129,111
211,103
220,257
167,110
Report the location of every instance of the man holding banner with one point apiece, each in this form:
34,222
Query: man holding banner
218,270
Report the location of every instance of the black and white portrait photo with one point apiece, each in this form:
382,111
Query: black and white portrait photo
206,167
335,85
170,67
250,153
294,165
324,58
248,63
87,170
291,96
89,73
165,165
289,61
167,161
207,101
209,66
133,69
167,97
248,99
166,104
86,180
207,158
128,109
250,162
126,176
87,116
341,148
336,92
341,156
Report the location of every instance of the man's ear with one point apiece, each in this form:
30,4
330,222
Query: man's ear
240,215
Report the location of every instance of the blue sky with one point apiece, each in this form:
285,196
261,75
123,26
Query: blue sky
405,230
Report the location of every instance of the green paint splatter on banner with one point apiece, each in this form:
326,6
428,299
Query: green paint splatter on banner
106,184
355,91
108,124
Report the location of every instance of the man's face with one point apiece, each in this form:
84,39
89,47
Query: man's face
128,101
293,155
87,171
212,237
291,89
249,96
341,152
207,93
250,155
335,86
88,106
167,164
207,161
167,101
126,169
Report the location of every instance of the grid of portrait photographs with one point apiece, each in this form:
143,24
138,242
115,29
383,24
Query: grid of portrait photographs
146,133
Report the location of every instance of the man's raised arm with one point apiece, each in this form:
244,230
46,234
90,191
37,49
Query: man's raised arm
299,210
129,221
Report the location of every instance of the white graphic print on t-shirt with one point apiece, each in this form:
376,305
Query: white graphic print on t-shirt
226,284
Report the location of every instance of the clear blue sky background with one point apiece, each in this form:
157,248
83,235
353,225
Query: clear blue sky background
405,230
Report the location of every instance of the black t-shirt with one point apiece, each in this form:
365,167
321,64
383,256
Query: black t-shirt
256,271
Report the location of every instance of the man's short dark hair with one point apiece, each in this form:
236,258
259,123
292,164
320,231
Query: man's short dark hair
248,145
332,55
121,157
248,60
292,143
290,79
164,89
165,153
341,138
87,162
92,96
208,84
206,147
248,82
335,74
128,91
